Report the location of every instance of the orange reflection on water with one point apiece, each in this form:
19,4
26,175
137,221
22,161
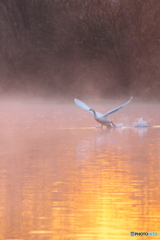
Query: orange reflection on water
71,183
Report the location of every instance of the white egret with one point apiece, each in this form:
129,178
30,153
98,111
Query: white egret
99,117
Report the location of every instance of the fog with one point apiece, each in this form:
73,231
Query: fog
73,48
61,175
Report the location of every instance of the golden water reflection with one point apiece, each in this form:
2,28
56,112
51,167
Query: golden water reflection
79,184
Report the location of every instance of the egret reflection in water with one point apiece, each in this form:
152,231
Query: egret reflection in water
61,177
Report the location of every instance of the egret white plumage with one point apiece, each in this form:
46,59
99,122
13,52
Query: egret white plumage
99,117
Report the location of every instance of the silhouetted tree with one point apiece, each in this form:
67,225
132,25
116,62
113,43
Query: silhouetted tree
57,43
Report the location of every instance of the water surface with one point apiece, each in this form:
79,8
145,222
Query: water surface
61,177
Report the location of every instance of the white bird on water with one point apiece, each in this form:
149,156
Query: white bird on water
99,117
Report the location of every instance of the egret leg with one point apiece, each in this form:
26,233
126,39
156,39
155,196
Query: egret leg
113,124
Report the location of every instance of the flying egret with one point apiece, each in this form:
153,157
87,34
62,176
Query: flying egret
99,117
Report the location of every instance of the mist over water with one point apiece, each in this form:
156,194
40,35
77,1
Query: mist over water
63,177
92,48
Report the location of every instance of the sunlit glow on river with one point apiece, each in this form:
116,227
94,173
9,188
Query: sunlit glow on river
62,177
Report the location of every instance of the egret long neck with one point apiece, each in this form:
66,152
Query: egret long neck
95,115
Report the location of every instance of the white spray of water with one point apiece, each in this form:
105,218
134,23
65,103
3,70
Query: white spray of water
140,123
120,125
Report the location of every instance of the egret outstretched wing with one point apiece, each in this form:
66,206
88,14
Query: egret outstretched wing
117,109
84,106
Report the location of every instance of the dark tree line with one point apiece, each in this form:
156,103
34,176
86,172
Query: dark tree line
64,46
